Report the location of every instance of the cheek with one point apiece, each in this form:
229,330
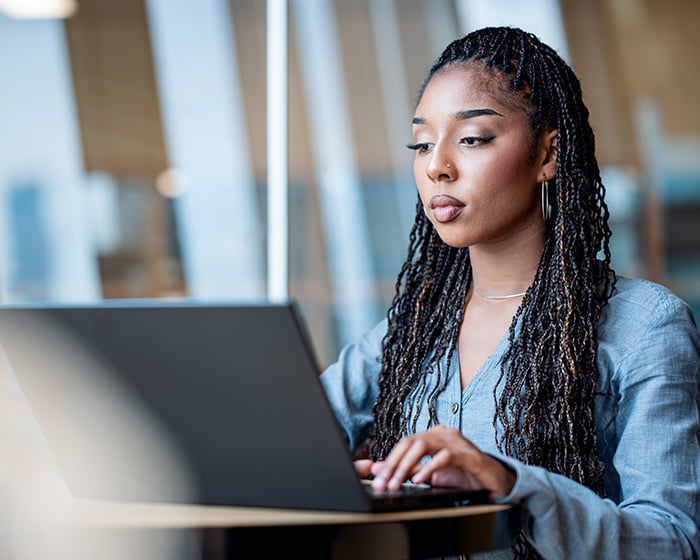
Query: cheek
516,169
508,187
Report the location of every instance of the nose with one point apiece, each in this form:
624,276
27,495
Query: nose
441,167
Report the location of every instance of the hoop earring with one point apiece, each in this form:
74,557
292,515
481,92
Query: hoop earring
546,206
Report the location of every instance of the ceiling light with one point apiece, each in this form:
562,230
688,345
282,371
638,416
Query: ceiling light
39,9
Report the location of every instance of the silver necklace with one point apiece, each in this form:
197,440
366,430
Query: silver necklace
509,296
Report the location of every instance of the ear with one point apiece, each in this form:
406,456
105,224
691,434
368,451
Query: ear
548,147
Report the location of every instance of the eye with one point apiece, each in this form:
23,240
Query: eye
421,148
476,140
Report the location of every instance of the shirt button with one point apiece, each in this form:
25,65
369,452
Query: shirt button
455,408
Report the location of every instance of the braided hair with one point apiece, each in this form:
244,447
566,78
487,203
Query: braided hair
544,408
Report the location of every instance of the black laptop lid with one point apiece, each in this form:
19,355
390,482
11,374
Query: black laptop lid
231,387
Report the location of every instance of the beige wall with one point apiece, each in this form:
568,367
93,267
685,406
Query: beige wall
626,51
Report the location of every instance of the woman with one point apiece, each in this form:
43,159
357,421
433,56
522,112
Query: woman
512,358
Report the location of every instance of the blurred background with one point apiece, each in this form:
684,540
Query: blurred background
133,144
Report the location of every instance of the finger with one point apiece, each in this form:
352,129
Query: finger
386,472
363,467
443,470
405,462
410,463
455,478
467,467
377,467
383,473
448,449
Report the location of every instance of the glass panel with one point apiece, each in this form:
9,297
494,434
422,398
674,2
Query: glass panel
133,146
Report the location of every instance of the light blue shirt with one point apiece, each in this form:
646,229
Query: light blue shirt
648,429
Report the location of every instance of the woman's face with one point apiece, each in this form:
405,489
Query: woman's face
477,170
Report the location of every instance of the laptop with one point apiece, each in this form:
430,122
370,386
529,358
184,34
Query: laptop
179,401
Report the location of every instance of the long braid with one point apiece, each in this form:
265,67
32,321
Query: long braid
545,407
432,284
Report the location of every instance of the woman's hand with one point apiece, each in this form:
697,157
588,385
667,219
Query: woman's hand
454,461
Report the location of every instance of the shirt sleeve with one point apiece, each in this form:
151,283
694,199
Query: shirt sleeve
657,460
351,385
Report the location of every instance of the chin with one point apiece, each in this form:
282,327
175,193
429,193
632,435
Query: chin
454,241
453,234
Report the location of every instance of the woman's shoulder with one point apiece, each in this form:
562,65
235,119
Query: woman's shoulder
645,295
637,305
647,332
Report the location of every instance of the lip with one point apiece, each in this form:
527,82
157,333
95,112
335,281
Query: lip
445,208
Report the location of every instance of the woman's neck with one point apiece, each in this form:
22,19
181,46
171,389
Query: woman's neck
507,269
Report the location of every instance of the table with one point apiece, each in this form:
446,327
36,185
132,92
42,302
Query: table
223,533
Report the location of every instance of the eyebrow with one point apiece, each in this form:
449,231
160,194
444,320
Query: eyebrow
463,115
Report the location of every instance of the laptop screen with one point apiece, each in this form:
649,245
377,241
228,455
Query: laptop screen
224,397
